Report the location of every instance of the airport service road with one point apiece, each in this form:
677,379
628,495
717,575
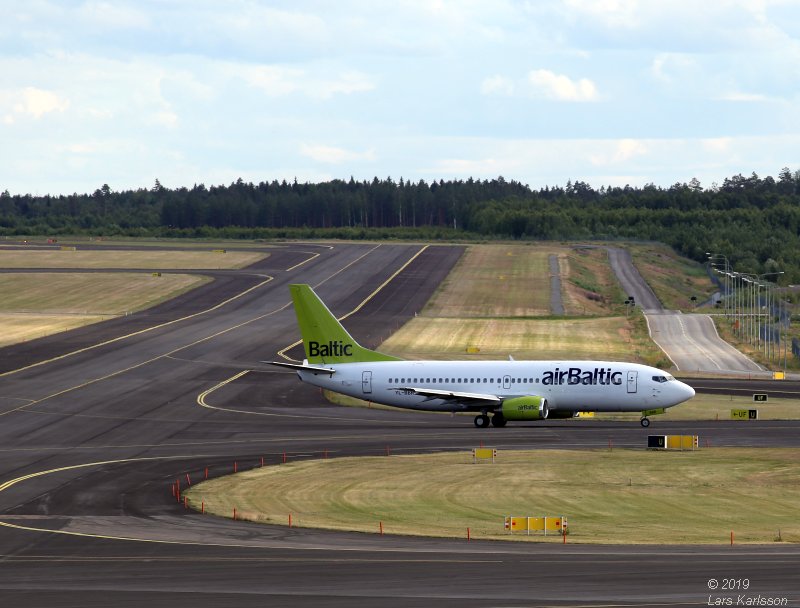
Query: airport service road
633,284
91,443
692,343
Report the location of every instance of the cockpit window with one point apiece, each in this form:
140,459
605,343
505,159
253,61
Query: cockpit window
660,378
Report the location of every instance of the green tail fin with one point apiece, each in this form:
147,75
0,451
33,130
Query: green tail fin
324,338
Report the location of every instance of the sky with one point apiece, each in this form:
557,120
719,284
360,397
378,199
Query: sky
609,92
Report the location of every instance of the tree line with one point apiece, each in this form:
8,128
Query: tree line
754,221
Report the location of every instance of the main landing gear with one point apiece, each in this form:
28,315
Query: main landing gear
645,422
482,421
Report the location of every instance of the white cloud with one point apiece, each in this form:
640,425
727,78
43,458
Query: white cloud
621,152
611,13
557,86
497,85
718,145
38,102
334,155
113,15
278,81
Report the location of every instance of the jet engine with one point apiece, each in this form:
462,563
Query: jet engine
525,408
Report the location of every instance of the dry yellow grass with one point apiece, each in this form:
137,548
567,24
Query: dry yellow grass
495,281
166,260
39,304
16,328
604,338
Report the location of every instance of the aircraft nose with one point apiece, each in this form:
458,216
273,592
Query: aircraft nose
687,390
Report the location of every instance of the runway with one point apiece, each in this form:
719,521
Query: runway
91,442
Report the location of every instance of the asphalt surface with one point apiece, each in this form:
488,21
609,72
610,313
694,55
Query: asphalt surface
556,302
691,341
91,443
693,344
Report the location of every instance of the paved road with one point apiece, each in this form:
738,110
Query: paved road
633,284
690,341
556,302
90,444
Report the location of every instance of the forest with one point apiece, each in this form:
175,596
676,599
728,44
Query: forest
754,221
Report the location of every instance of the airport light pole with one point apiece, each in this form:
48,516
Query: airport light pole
726,274
734,301
768,348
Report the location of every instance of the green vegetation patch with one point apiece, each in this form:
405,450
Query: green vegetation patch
674,279
608,496
589,283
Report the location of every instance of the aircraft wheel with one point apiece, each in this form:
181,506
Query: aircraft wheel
498,420
645,422
482,421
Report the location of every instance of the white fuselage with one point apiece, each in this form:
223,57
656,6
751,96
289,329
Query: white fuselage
600,386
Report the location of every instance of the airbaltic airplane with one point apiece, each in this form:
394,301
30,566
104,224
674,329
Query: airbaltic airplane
508,390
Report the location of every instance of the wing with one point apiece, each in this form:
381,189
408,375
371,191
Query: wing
304,367
468,399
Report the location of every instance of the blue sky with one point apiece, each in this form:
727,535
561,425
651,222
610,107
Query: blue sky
610,92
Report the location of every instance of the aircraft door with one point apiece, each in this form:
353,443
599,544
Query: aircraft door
506,381
632,378
366,382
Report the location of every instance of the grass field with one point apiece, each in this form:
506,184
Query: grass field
590,287
673,279
162,260
40,304
495,281
492,303
608,496
606,338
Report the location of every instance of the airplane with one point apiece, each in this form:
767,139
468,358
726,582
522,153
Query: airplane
506,390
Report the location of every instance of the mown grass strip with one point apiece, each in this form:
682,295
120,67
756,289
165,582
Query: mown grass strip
608,496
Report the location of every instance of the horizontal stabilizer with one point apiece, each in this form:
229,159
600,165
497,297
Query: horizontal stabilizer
433,393
304,367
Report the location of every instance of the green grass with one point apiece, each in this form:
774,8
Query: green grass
674,279
608,496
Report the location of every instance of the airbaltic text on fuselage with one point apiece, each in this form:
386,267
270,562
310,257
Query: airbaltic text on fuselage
331,349
576,375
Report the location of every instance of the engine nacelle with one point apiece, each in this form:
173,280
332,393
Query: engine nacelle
525,408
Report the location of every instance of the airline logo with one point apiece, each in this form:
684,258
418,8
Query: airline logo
576,375
331,349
